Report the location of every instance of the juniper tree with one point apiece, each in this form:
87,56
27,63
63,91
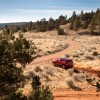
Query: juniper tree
85,24
98,19
92,25
13,51
72,20
51,24
82,15
77,24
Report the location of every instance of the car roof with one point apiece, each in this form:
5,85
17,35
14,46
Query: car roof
64,59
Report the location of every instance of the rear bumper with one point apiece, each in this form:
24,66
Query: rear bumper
69,65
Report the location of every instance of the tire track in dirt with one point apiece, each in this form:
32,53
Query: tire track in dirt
76,95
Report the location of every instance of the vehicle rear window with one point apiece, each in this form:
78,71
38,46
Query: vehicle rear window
69,61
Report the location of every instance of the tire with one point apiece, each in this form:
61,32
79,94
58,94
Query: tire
63,66
71,66
54,64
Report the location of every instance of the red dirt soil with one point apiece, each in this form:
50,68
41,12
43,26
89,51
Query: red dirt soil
76,95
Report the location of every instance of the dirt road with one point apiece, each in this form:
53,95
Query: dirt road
76,95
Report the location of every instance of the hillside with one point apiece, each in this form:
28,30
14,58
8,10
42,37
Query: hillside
77,38
80,48
2,25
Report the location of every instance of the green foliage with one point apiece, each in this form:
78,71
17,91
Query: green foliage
86,20
62,20
60,31
39,26
16,96
72,20
85,24
36,82
13,51
39,92
92,25
82,14
76,24
23,28
51,24
94,83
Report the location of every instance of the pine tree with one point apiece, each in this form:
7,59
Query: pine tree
92,25
62,19
97,16
72,20
99,21
76,25
51,24
82,15
85,24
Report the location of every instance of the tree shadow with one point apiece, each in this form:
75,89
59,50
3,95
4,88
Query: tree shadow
76,88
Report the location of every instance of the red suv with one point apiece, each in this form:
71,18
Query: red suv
63,62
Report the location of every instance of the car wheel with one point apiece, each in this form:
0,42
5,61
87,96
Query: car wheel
54,64
71,66
63,66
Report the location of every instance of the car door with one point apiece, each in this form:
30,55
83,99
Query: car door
60,62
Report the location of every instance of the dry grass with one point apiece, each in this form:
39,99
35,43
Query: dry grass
49,42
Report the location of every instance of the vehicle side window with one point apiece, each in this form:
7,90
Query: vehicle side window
61,59
69,61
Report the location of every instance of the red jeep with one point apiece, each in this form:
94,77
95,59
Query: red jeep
63,62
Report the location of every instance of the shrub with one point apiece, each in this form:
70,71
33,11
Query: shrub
61,32
50,72
79,77
94,83
98,74
69,82
95,53
67,55
16,96
70,72
39,92
13,51
37,69
76,71
98,57
76,55
89,57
